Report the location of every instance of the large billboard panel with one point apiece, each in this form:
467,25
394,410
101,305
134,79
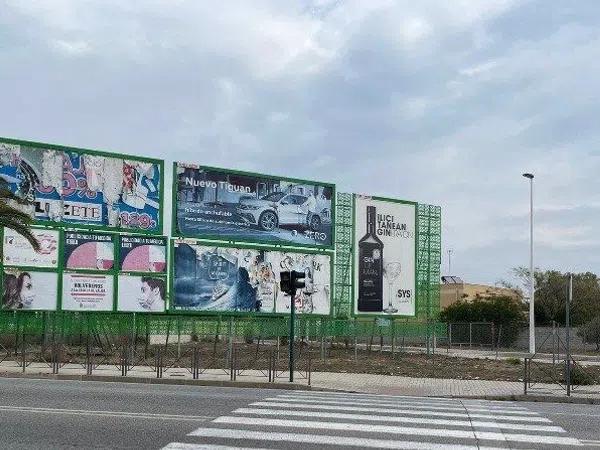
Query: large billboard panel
228,205
143,254
91,251
29,290
87,292
141,293
82,187
384,256
17,251
210,278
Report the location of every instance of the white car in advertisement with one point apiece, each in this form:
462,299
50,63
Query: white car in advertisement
279,208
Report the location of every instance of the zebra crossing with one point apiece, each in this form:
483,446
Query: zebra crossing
304,420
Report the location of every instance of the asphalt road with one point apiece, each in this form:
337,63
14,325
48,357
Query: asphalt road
40,414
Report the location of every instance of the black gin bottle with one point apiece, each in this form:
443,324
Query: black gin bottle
370,268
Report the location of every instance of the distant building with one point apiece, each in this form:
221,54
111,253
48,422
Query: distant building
453,289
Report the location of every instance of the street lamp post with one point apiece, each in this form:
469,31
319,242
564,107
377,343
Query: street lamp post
531,274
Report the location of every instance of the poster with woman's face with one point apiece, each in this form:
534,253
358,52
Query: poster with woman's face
143,254
87,292
19,252
29,290
94,251
141,293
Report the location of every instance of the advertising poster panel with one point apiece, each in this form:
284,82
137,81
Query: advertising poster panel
29,290
94,251
384,257
87,188
143,254
256,208
19,252
211,278
87,292
141,293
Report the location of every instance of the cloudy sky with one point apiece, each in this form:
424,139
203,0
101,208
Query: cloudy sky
435,101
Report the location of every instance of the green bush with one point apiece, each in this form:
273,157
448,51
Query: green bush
590,332
505,313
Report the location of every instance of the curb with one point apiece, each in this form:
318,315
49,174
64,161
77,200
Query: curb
164,381
527,398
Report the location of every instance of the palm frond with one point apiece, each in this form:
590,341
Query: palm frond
14,218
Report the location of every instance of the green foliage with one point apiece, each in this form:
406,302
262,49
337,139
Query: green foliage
590,332
504,312
551,290
14,218
513,361
580,377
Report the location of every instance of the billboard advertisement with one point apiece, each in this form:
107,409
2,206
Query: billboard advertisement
143,254
227,279
384,256
228,205
29,290
19,252
87,292
92,251
145,293
83,187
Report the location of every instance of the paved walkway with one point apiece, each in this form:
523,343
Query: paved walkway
365,383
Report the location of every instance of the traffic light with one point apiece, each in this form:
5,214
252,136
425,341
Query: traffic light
291,280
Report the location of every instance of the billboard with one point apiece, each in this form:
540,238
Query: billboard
141,293
384,256
228,205
29,290
228,279
143,254
92,251
19,252
72,186
87,292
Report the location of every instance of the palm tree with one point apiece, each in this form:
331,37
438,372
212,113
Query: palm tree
13,218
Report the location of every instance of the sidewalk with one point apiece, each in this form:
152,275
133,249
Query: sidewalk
349,382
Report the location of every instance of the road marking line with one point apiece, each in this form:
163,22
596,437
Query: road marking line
187,446
410,401
84,412
425,407
359,427
318,439
417,420
399,411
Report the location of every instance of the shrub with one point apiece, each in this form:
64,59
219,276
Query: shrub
590,332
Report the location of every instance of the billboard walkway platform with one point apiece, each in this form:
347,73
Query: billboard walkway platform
327,381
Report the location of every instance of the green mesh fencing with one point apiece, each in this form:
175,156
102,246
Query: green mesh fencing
340,324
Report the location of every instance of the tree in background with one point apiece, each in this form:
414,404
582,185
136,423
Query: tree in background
590,332
505,313
551,290
14,218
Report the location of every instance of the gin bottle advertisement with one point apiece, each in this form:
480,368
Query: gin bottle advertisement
385,259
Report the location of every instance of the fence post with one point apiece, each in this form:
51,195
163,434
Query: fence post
498,339
309,367
449,336
525,372
23,349
470,334
158,358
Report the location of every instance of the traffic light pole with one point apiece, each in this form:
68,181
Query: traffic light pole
292,331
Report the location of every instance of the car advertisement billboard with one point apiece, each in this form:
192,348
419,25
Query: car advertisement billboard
384,256
17,251
92,251
141,293
210,278
87,292
229,205
79,187
143,254
29,290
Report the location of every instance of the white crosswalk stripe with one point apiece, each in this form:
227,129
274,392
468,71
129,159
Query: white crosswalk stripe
313,419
